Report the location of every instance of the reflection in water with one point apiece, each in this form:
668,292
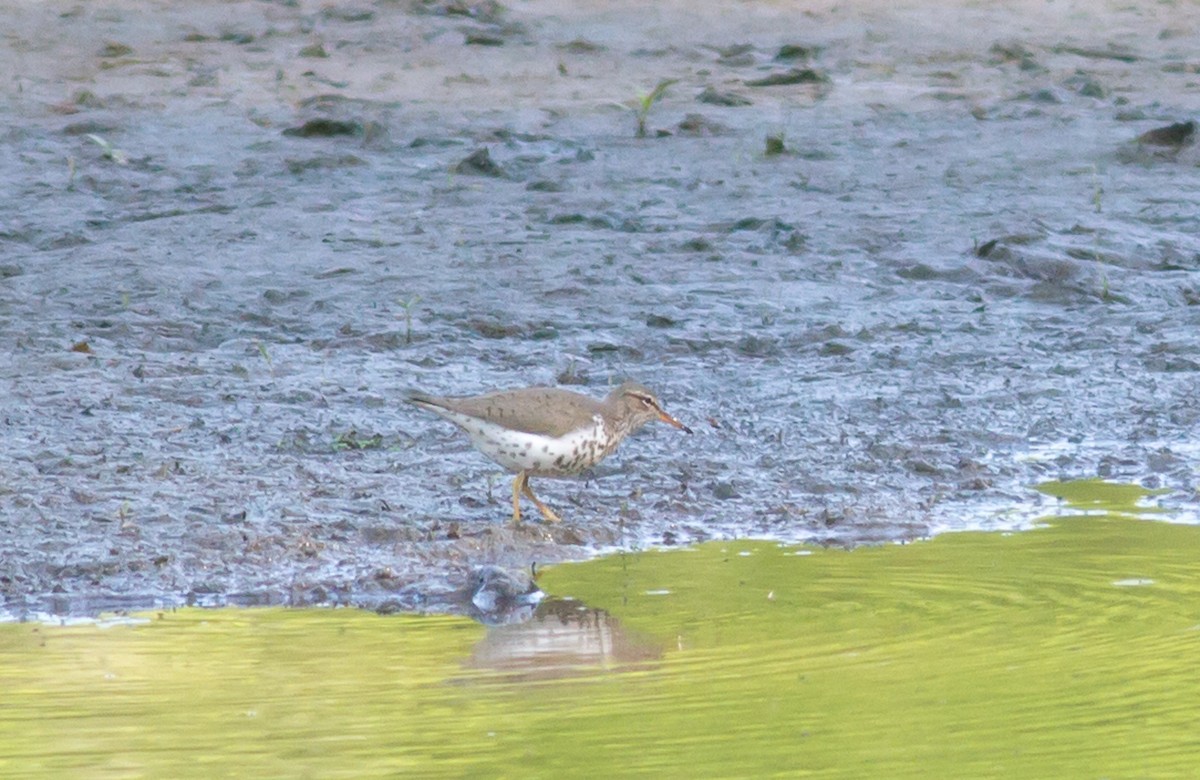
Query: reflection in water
499,596
1065,651
564,638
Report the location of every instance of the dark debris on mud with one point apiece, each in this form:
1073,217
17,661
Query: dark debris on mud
957,269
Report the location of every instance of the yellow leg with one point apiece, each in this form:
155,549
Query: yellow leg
518,486
546,511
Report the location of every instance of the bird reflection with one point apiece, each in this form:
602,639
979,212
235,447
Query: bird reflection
563,638
496,596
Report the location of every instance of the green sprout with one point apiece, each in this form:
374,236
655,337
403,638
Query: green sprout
408,305
110,152
643,104
262,350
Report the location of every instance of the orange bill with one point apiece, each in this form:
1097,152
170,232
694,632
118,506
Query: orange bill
669,420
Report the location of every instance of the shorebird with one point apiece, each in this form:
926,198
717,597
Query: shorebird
547,432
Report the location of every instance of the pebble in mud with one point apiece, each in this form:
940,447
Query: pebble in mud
1175,135
788,77
479,163
325,128
716,97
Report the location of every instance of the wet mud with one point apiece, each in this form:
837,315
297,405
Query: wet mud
894,263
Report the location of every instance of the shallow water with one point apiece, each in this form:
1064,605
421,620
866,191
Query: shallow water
1064,651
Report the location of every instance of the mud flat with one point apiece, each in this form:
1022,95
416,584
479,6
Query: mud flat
895,263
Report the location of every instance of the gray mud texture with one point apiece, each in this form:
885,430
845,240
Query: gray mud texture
895,263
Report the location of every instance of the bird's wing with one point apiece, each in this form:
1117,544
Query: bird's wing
545,411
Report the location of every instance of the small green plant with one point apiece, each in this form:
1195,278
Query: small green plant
125,516
408,305
643,104
353,440
262,350
110,152
571,375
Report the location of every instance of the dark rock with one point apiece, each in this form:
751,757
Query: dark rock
1044,95
490,329
238,37
835,349
1112,53
1177,134
716,98
545,185
348,13
479,163
739,54
113,49
757,346
725,491
90,127
324,128
483,39
483,10
698,125
795,51
985,249
793,76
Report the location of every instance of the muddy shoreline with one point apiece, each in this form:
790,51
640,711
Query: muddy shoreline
237,231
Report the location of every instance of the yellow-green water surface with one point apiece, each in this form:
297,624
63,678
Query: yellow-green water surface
1072,650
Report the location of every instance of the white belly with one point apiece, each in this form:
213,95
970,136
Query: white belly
539,455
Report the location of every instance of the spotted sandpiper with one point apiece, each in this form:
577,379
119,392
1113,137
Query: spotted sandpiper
547,432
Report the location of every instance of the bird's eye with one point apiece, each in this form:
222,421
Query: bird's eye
646,401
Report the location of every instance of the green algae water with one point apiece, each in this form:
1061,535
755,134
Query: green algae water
1070,650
